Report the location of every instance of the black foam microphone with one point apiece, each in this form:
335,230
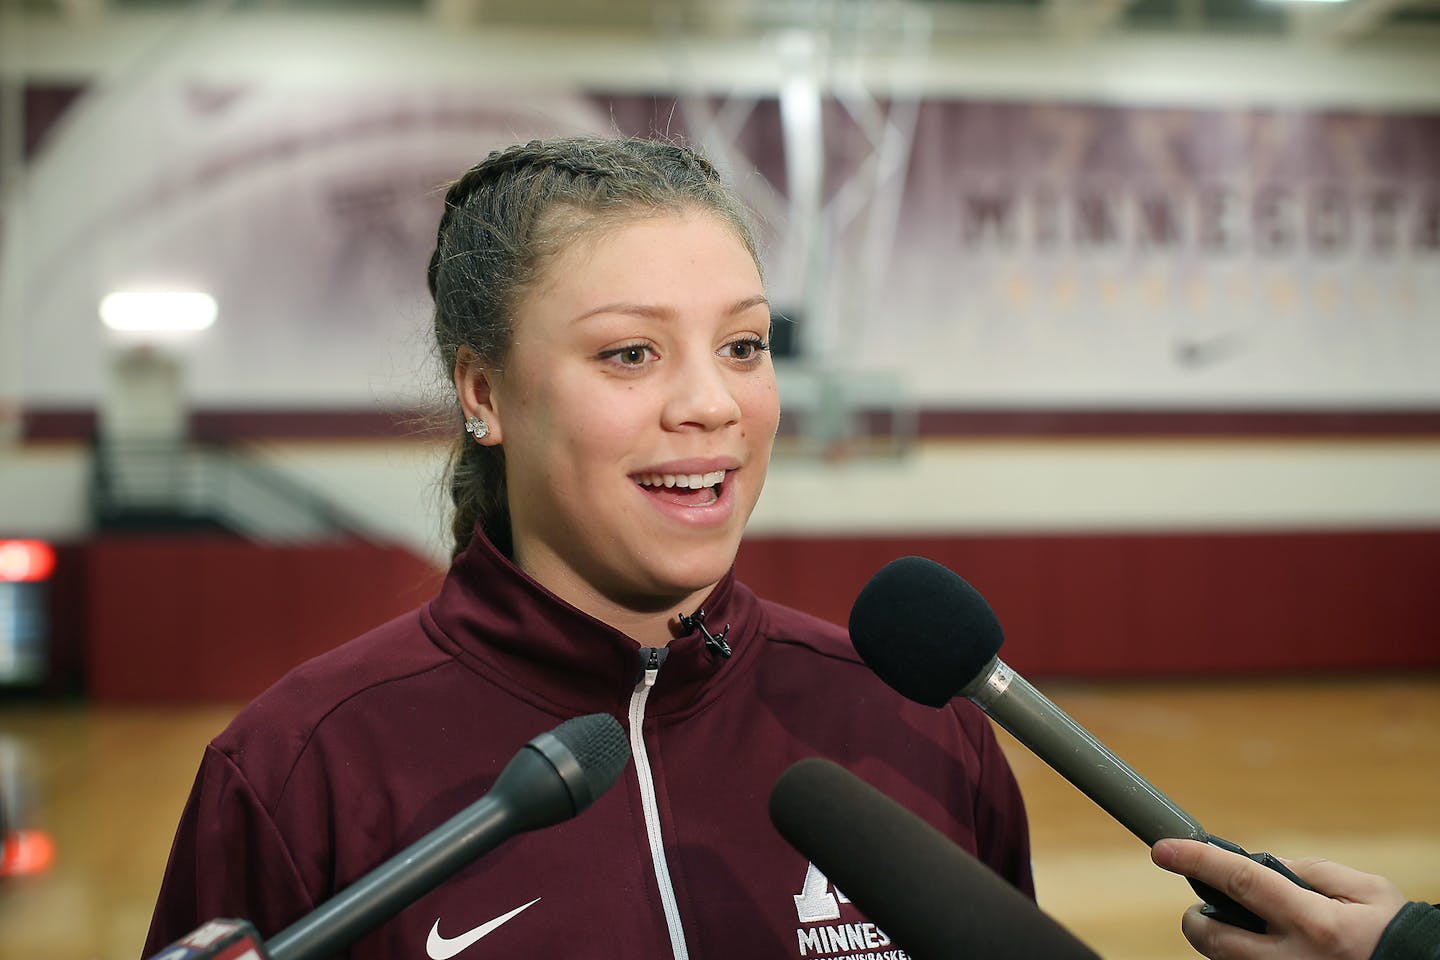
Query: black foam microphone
928,895
931,636
554,777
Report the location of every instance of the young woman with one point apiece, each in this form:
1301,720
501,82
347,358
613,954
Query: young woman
600,307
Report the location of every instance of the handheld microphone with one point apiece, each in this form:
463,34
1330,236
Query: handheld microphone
931,897
553,778
223,939
931,636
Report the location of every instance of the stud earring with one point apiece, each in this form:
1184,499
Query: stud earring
477,428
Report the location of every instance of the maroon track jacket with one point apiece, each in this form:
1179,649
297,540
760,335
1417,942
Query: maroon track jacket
362,751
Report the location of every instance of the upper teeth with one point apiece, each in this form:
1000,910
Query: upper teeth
691,481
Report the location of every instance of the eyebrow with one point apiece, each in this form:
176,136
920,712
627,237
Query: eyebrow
653,312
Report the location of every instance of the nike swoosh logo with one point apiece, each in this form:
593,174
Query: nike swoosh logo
441,948
1196,352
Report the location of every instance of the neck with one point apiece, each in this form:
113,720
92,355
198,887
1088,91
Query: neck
648,626
649,629
651,621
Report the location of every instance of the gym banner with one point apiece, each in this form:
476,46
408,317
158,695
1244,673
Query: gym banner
1043,255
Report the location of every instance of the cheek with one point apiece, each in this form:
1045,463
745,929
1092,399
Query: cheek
604,425
539,428
546,405
761,405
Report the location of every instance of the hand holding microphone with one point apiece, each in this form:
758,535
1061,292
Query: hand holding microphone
1343,918
554,777
932,637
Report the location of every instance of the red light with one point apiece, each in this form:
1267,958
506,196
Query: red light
26,853
23,561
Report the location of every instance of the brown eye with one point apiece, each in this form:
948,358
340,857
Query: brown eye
745,351
630,355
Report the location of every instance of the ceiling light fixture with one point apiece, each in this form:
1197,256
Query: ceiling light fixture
158,311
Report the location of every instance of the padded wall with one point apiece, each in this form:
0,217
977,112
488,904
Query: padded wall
209,619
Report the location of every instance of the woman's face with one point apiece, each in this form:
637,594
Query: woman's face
637,409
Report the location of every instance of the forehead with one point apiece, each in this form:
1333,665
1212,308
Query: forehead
680,254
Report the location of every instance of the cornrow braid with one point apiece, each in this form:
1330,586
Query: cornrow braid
504,219
536,153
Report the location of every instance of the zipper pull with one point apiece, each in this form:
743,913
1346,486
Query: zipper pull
650,660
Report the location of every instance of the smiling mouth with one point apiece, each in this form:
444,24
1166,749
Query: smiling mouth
689,490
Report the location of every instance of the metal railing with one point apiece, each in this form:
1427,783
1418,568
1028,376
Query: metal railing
166,484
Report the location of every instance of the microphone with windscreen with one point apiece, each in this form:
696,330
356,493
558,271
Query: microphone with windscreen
928,895
554,777
932,637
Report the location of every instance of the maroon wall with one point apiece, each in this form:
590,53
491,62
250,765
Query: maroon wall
1150,604
188,620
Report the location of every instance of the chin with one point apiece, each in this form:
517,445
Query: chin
699,571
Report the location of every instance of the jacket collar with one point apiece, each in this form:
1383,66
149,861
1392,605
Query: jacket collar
497,620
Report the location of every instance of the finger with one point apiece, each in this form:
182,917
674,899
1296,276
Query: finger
1258,888
1341,882
1165,852
1221,941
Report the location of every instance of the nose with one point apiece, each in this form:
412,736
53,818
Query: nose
700,397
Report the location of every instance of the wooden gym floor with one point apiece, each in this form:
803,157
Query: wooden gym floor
1348,769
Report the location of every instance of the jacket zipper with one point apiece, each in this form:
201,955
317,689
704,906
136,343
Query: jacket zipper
650,661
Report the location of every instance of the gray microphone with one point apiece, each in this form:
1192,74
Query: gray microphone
935,899
554,777
932,637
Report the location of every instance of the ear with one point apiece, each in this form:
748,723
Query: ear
475,389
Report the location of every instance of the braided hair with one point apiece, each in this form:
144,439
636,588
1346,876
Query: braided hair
504,220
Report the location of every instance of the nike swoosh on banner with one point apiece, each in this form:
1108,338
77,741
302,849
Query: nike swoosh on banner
441,948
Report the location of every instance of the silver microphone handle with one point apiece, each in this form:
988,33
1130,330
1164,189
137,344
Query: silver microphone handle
1078,757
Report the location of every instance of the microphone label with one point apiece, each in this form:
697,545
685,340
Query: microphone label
999,680
216,940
